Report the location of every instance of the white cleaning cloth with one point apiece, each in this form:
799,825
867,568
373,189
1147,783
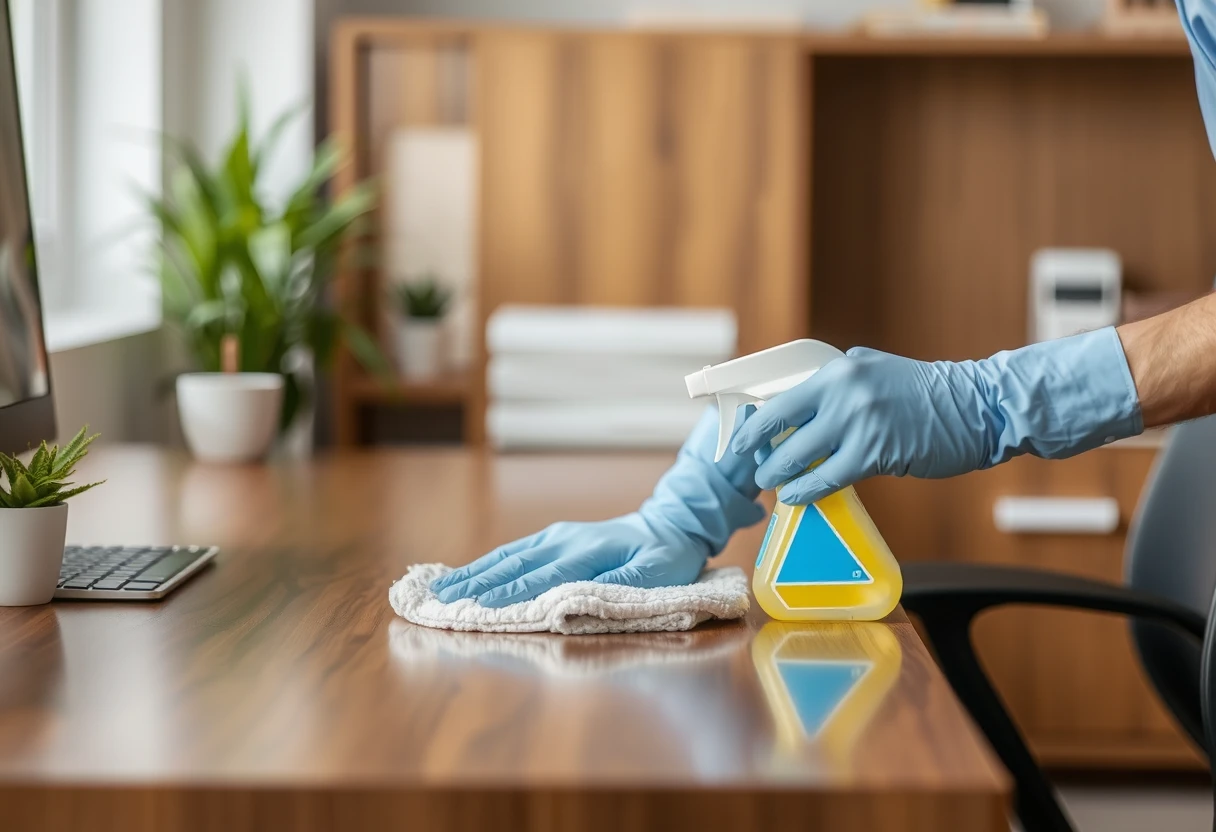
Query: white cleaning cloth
577,608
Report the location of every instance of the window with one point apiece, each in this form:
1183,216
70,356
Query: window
89,82
37,41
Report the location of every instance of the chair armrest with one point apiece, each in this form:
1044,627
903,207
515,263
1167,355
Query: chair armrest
967,589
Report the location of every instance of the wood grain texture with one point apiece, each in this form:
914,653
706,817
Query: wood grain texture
936,179
1071,679
630,170
278,691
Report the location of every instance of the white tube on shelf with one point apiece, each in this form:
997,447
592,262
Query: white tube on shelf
1056,515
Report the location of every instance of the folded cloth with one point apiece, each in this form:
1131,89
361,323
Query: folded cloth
577,608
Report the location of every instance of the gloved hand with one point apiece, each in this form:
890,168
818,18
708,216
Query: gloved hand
695,508
872,413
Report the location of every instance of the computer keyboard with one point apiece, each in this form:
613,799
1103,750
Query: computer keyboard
128,572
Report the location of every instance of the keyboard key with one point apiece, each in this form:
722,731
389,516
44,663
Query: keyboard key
142,586
167,567
78,583
110,583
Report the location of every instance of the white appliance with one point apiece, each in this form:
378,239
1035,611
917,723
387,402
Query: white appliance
1073,290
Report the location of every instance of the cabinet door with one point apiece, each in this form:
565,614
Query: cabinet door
1071,679
640,169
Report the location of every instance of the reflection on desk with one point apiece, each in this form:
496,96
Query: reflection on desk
824,683
570,657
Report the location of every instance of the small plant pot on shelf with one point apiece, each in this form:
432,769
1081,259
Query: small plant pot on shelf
420,348
31,553
230,417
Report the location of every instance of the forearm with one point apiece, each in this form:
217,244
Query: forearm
1173,362
705,499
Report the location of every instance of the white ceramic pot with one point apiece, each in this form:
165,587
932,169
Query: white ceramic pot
229,417
31,552
420,348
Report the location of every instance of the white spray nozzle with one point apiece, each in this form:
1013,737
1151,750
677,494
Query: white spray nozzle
756,378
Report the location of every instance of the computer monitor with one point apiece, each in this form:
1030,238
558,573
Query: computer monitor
27,411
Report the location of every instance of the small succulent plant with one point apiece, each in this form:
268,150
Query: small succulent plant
424,298
44,481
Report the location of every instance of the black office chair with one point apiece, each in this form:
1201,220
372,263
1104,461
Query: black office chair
1171,574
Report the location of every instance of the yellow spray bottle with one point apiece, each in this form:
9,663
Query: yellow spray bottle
821,562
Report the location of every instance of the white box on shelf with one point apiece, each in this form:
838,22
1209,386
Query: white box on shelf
651,331
624,425
613,378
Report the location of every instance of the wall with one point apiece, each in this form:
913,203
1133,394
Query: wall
114,388
118,386
211,46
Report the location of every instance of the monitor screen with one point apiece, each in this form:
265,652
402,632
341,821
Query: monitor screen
23,362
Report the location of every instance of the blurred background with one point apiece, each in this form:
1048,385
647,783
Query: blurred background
518,224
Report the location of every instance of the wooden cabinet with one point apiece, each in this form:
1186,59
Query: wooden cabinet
1071,679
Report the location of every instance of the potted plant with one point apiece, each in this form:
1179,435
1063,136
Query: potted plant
234,267
422,304
34,519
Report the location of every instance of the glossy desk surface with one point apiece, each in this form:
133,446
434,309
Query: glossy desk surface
281,674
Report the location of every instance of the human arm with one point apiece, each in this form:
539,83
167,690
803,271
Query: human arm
1173,361
872,413
695,508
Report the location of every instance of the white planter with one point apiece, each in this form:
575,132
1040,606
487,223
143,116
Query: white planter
229,417
31,552
420,348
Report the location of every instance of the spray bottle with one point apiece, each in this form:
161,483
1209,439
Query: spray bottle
825,561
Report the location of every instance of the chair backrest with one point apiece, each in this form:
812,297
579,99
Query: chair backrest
1171,552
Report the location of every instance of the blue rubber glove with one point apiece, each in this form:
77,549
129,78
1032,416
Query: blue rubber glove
696,507
872,413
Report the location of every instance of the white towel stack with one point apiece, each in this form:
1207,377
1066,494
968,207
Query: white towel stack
597,377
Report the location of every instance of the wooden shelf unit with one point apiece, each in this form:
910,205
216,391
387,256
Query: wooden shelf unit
448,389
881,192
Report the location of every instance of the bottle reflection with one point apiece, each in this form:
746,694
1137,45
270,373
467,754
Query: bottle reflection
824,682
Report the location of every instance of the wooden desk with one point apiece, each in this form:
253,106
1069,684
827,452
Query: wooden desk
277,690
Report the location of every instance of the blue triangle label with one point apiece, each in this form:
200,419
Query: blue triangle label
817,688
817,555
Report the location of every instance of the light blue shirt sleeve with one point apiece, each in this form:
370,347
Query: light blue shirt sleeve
1199,23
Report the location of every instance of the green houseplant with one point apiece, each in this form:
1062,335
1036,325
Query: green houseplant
232,265
34,517
424,298
422,304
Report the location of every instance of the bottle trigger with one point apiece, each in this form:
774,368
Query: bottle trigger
728,411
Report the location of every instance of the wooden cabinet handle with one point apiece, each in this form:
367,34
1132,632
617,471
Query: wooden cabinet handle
1056,515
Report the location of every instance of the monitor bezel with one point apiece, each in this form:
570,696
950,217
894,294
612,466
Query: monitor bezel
26,423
